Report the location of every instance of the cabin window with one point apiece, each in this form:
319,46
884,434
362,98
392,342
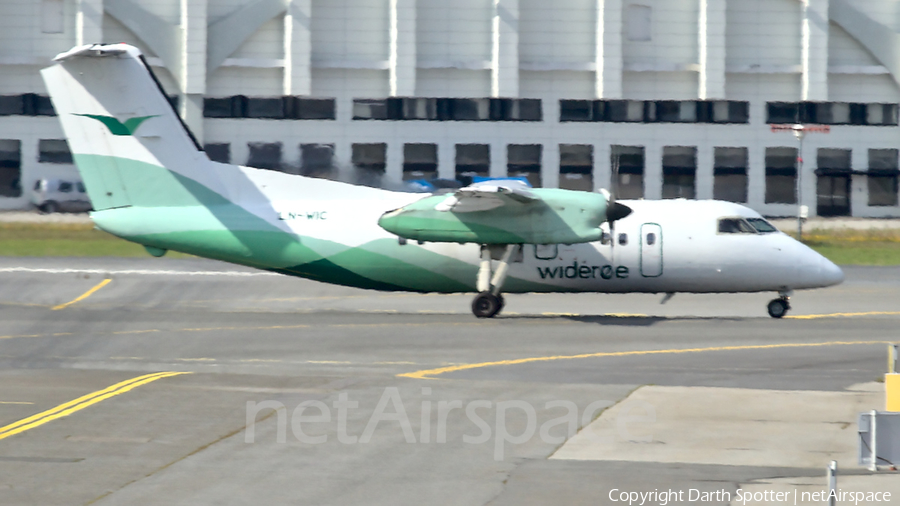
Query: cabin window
65,187
762,226
735,226
623,239
651,239
80,187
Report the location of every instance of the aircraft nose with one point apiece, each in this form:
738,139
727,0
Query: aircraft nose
831,274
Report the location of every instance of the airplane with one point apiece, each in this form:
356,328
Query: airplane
150,182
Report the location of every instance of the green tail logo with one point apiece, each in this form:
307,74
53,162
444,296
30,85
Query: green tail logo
115,126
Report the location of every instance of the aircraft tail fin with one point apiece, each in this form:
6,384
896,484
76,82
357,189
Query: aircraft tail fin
129,144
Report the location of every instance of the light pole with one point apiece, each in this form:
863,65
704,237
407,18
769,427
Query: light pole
799,133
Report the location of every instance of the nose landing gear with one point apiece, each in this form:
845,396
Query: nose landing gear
488,303
780,306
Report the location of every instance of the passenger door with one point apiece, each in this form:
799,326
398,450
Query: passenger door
651,250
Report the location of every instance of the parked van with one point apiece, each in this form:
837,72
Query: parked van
54,195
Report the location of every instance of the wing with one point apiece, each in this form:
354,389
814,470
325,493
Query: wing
486,196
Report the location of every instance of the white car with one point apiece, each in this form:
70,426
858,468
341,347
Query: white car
53,195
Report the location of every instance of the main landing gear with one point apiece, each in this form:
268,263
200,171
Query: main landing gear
489,302
780,306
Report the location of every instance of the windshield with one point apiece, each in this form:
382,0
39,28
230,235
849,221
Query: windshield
735,226
762,226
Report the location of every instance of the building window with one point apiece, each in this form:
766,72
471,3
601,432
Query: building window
54,151
781,175
265,155
831,113
227,107
729,111
638,22
471,109
419,161
370,109
472,160
10,168
312,108
576,110
669,111
833,182
218,151
883,170
448,109
317,160
239,106
881,114
369,162
11,105
622,111
679,171
628,161
576,166
52,16
524,160
730,174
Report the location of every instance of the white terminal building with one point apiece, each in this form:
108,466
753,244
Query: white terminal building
680,95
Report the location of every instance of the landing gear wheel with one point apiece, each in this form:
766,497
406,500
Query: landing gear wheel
486,305
778,308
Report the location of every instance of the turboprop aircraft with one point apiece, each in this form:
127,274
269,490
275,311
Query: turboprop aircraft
151,183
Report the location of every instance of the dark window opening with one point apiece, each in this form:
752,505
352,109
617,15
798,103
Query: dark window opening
218,151
11,105
265,155
265,108
317,160
420,161
65,187
833,195
623,239
630,163
54,151
781,175
576,110
730,174
10,168
576,166
651,239
782,112
679,172
524,160
472,160
312,108
369,162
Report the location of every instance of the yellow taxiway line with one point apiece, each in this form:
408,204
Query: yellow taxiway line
80,403
84,295
431,373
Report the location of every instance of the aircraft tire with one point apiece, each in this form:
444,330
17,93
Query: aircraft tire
778,308
486,305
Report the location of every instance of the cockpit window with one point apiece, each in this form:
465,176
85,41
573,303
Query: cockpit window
762,226
735,226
